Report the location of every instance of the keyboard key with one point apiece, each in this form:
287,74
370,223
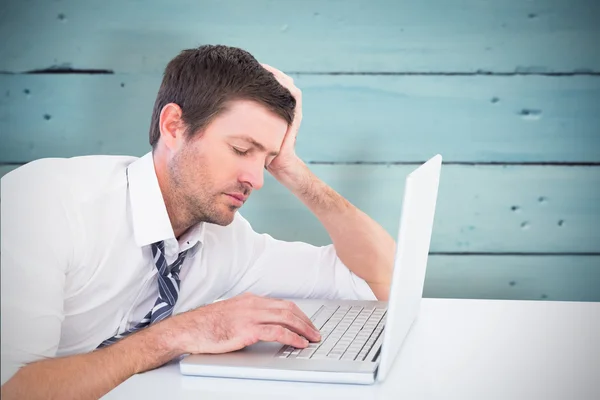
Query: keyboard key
323,315
347,333
294,353
307,353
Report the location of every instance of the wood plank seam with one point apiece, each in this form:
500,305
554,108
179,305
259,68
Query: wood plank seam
451,73
418,162
58,70
519,254
469,163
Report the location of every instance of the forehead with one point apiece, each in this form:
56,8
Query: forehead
250,119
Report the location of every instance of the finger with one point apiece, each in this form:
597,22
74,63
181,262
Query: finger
287,305
290,321
286,312
278,74
268,67
283,78
291,306
277,333
274,70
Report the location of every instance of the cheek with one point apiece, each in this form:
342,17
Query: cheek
223,170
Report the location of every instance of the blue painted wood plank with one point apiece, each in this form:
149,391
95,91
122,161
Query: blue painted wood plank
491,209
346,118
530,277
5,169
558,278
306,35
480,208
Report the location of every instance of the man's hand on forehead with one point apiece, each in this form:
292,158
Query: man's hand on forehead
287,163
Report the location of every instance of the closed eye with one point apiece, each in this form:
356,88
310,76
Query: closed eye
240,152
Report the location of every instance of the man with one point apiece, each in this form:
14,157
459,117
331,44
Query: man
111,265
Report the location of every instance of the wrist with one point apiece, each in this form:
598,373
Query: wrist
295,176
151,347
165,339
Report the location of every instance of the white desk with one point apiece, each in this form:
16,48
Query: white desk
458,349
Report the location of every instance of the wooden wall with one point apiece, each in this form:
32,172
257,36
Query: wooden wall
507,91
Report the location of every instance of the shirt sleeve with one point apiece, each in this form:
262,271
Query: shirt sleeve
34,257
281,269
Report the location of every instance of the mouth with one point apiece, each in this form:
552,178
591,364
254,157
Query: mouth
237,198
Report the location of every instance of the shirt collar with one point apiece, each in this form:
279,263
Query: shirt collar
151,221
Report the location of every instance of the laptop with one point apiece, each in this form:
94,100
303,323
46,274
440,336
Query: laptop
359,339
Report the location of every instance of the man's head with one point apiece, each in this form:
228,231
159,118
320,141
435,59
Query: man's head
218,120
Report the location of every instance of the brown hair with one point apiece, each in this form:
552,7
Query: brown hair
205,80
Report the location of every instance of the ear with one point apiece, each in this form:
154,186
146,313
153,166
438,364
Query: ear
172,127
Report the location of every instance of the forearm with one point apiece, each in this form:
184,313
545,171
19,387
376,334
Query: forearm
91,375
360,242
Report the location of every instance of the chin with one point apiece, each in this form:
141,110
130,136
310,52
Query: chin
224,218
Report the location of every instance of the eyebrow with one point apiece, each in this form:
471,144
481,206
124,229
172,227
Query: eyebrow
255,144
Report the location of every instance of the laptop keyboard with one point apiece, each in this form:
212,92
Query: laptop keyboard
347,333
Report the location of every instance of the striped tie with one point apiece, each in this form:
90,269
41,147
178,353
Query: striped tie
168,291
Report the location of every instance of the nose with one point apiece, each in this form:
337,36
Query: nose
253,176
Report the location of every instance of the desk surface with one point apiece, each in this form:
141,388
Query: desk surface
458,349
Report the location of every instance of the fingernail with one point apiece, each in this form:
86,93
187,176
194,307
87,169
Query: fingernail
305,342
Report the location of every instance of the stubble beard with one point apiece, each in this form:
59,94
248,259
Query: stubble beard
192,203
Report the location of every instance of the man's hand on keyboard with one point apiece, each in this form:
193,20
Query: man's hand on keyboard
238,322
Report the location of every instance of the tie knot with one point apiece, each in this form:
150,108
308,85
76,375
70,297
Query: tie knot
161,262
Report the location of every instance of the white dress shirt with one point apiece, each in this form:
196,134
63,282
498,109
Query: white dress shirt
77,266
